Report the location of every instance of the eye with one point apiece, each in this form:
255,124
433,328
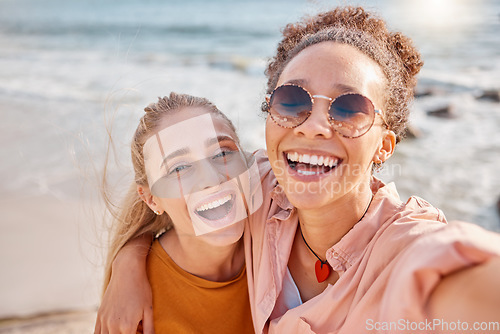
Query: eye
351,107
178,169
343,113
291,104
222,154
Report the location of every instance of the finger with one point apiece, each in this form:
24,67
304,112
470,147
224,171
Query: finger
113,326
125,327
104,328
97,328
147,323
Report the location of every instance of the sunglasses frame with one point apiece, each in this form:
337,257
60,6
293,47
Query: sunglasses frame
330,118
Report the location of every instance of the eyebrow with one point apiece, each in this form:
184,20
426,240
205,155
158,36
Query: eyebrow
340,87
218,139
175,154
185,150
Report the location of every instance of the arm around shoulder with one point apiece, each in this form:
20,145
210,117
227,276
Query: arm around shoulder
128,297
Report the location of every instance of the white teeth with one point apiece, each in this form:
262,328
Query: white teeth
313,160
214,204
307,172
293,156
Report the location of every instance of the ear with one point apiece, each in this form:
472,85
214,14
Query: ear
148,198
386,146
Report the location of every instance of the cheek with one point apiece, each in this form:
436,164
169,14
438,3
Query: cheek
269,124
273,135
176,208
364,148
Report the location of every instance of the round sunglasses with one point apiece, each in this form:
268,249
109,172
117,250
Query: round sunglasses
351,114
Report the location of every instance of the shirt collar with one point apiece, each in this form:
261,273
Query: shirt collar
341,256
385,204
279,197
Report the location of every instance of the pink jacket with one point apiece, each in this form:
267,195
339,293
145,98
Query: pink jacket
388,263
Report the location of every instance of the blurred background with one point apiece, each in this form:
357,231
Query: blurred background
70,71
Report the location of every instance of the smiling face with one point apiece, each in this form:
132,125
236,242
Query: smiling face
192,164
313,163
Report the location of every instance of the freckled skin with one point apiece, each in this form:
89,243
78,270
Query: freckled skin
323,68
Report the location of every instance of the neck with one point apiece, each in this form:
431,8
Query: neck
213,263
324,227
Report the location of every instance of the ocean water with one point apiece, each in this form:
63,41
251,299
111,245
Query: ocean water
69,70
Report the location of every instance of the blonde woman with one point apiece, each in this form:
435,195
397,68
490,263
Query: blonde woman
189,182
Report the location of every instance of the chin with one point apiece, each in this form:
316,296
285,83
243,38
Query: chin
226,236
309,200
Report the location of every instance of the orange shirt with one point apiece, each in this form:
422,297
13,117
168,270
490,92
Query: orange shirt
184,303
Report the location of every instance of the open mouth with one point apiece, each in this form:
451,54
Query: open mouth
216,209
311,165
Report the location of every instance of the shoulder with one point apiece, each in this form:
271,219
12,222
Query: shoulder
406,223
395,215
261,162
403,223
157,255
418,211
262,180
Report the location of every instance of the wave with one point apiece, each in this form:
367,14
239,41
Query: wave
92,30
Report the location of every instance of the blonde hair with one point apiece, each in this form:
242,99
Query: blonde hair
133,217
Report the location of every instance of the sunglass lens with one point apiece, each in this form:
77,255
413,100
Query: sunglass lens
290,105
352,114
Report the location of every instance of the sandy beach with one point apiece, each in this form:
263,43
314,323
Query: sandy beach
81,322
53,262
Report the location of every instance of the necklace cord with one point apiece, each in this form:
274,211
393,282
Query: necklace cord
322,262
325,261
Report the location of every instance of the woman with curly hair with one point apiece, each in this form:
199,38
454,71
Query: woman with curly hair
333,249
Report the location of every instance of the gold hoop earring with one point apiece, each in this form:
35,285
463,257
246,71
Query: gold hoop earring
157,212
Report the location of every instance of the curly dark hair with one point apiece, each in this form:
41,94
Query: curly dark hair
394,52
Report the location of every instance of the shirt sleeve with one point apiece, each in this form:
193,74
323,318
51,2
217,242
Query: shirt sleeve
428,260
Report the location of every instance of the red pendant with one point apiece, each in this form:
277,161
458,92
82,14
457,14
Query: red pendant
322,271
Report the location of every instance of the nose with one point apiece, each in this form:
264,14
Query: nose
317,124
209,175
